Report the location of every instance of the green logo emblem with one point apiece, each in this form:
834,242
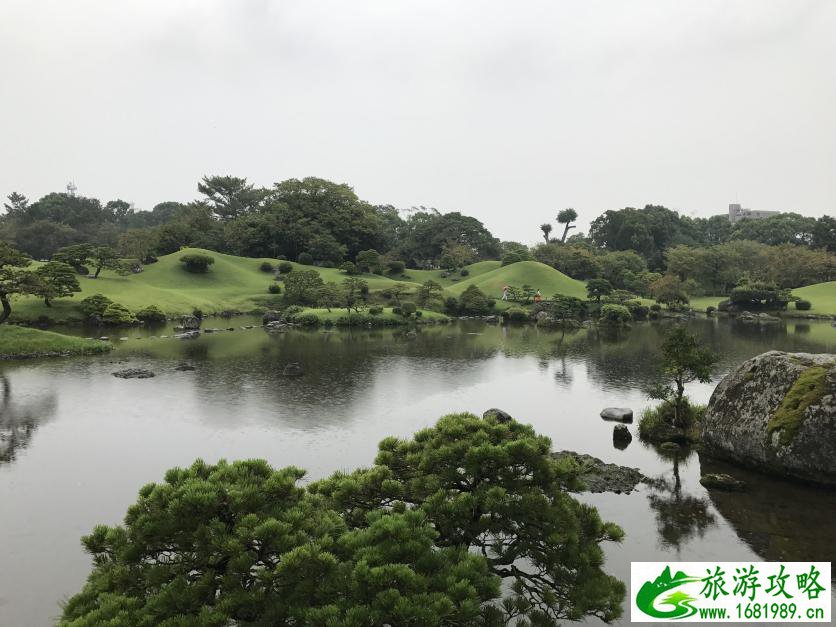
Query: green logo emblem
678,600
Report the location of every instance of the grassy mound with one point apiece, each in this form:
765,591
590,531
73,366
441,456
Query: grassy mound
20,342
538,275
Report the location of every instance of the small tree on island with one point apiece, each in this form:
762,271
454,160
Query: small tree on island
468,523
351,294
683,361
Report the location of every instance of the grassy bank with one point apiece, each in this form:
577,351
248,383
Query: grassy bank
821,295
20,342
386,318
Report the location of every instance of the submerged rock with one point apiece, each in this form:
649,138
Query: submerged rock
722,481
621,437
600,476
619,414
134,373
777,412
498,414
293,370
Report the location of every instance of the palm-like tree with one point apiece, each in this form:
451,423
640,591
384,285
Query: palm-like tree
566,217
546,228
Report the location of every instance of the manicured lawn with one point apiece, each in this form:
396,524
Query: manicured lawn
19,342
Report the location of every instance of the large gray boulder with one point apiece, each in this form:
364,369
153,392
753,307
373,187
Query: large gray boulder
777,412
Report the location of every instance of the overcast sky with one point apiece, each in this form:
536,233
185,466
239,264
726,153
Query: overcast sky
508,111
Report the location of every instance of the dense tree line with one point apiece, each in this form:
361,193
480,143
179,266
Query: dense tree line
294,218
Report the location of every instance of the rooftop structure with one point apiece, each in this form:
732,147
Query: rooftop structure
738,213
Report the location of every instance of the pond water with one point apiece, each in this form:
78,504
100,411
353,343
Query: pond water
78,443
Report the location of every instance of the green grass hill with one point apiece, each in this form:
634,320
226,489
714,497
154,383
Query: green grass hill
538,275
237,284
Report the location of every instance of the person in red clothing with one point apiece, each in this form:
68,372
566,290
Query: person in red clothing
538,297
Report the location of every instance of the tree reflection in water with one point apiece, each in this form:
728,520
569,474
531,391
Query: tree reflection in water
679,517
19,421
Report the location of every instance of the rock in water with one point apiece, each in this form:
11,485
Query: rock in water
777,412
500,415
722,481
602,477
293,370
619,414
133,373
621,437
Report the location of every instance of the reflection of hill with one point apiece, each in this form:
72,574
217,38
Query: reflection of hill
19,421
779,520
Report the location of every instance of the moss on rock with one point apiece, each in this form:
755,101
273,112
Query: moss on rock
807,390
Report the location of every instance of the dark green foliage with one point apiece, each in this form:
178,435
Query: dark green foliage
577,262
563,307
656,307
306,259
638,311
245,545
265,266
285,267
492,489
615,314
516,314
369,261
566,217
464,272
408,308
14,278
596,288
375,310
512,257
76,255
710,309
117,314
803,305
474,302
430,294
197,263
198,313
759,295
306,319
349,268
94,305
151,315
274,288
302,286
57,279
395,267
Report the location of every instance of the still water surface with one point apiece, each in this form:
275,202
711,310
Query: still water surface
78,443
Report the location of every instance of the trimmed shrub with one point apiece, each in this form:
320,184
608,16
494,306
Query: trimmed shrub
306,259
95,304
306,319
464,272
151,315
516,314
375,310
395,267
474,302
197,263
266,266
615,313
512,257
408,308
289,312
710,309
451,305
803,305
656,307
274,288
118,314
285,267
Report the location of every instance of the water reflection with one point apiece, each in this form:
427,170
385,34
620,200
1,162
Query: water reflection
680,516
20,419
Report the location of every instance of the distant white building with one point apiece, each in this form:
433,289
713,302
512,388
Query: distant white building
738,213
